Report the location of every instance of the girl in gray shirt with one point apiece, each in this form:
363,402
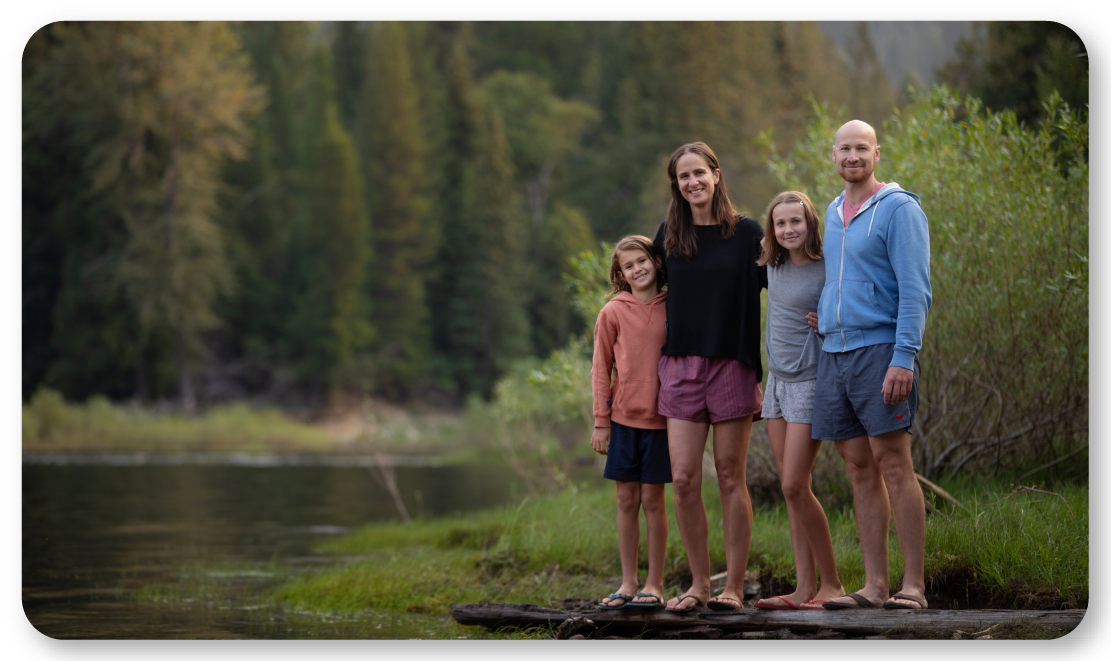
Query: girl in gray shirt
796,274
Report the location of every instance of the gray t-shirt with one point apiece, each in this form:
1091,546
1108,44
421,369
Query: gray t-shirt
791,345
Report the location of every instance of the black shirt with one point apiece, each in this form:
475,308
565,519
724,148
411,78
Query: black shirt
713,300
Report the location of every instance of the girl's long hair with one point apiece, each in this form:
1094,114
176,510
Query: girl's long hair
680,238
618,283
773,253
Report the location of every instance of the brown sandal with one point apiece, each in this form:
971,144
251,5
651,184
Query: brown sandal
861,602
688,595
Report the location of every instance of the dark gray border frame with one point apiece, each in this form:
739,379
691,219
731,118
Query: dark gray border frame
32,644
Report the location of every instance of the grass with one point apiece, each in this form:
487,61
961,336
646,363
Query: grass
51,424
996,549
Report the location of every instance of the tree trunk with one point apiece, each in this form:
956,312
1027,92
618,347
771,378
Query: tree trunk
852,622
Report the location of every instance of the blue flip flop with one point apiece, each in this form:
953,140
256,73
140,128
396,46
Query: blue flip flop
647,604
616,595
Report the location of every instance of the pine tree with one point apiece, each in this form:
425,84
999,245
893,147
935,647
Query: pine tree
162,106
349,55
394,150
480,325
332,319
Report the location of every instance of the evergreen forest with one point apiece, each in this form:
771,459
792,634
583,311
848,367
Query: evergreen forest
287,212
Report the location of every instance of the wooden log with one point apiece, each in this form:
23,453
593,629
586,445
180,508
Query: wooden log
633,621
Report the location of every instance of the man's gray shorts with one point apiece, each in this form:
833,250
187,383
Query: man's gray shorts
791,400
848,398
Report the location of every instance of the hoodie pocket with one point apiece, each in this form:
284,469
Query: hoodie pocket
637,398
859,308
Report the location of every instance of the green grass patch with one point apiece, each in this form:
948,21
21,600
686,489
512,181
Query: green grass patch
52,424
545,549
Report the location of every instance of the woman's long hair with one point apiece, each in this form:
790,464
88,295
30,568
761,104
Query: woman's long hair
680,238
774,254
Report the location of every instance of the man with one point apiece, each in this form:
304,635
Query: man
872,314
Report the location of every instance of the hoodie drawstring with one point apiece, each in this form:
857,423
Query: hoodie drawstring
873,219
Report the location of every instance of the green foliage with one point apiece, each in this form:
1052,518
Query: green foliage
332,320
564,545
1016,64
589,280
1005,355
393,146
157,108
50,424
488,156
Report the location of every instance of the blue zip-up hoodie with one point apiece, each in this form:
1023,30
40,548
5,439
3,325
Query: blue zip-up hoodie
877,275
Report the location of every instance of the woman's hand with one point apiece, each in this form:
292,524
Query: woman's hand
600,440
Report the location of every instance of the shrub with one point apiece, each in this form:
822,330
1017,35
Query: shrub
1005,357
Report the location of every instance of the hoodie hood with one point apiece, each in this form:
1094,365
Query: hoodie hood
646,309
888,189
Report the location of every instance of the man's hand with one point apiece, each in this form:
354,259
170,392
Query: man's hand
812,319
896,384
600,440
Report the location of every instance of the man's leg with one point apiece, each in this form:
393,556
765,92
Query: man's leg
872,516
892,454
686,442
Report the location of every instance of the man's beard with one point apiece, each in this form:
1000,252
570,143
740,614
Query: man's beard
856,177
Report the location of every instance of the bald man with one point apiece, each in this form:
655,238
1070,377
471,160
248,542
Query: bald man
872,314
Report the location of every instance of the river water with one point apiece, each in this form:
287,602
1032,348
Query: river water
112,543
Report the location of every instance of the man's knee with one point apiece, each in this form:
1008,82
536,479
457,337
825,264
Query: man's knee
892,455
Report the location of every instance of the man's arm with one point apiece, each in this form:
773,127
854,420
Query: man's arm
908,248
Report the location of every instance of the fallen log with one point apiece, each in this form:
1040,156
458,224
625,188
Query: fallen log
634,621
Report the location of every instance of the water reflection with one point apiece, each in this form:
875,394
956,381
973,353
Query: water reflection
102,544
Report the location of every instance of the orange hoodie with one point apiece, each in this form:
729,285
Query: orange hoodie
629,336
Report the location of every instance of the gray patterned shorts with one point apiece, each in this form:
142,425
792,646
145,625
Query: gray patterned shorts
791,400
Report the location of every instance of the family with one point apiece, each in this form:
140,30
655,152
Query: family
845,319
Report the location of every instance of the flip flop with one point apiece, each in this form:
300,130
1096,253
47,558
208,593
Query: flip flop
861,602
646,604
776,607
891,605
720,606
813,605
616,595
684,596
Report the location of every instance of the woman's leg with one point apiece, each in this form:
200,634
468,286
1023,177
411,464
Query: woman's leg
628,538
655,519
731,439
686,441
800,452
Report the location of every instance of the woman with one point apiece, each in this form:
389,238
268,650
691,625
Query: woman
710,372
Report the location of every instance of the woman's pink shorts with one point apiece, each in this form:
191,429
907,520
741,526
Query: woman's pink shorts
705,389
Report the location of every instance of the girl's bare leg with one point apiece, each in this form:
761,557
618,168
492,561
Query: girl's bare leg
795,453
655,520
628,538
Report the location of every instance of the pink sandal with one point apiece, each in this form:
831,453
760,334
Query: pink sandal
763,603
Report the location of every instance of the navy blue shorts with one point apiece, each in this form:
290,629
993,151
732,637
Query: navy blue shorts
848,395
638,455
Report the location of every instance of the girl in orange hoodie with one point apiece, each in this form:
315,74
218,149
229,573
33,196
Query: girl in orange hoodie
628,339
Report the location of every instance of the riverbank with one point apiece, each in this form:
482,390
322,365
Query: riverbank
1003,548
52,425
